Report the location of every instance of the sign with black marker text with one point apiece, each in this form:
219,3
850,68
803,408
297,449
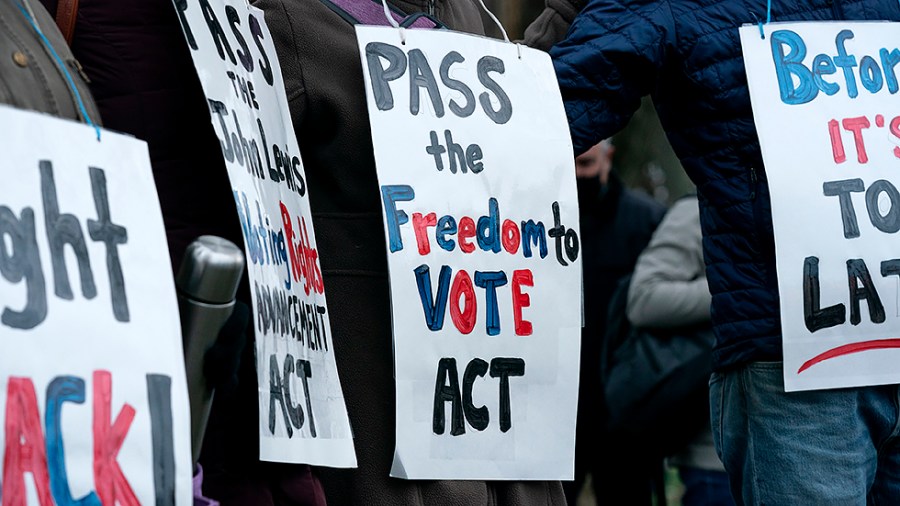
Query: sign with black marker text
92,385
301,406
827,111
477,181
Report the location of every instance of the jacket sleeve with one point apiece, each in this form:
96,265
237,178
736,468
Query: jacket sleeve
552,23
610,58
668,287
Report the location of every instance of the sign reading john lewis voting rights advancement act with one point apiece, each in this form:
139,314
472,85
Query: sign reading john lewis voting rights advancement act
301,406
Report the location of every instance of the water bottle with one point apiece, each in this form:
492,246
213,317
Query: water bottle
207,283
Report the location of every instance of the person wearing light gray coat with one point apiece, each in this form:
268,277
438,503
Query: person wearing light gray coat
669,289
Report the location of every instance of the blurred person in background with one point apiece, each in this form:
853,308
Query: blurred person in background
616,225
669,290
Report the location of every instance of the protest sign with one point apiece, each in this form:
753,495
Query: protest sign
92,385
303,417
476,173
826,109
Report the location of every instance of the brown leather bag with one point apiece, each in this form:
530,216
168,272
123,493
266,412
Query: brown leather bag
66,12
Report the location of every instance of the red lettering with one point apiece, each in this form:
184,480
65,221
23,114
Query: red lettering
420,225
303,256
511,237
521,278
466,232
311,269
25,450
109,480
837,144
464,318
895,129
856,126
289,242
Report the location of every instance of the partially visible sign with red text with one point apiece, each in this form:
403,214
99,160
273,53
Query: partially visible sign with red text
92,388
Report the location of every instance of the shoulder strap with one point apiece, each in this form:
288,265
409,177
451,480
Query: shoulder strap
66,12
371,12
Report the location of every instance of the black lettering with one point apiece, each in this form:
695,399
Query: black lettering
454,84
558,232
455,153
421,76
889,223
842,190
478,418
446,389
23,261
436,149
244,52
262,135
63,229
219,109
180,7
300,187
112,235
215,30
320,310
815,318
503,368
276,394
304,370
380,76
264,65
159,398
503,113
473,157
295,412
858,274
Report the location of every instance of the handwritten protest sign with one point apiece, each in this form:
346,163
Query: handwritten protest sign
826,109
477,180
92,386
302,413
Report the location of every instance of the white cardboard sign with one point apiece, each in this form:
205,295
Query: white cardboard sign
476,175
302,413
92,385
827,113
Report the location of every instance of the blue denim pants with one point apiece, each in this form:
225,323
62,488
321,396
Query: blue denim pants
825,447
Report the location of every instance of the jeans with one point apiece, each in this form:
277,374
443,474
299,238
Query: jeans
704,488
824,447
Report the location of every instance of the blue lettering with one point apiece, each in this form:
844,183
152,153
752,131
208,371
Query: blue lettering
490,280
788,66
445,226
390,194
62,389
846,62
533,233
434,311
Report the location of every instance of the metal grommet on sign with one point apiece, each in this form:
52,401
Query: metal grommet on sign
20,58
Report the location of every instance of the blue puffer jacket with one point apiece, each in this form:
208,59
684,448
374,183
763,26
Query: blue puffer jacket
687,54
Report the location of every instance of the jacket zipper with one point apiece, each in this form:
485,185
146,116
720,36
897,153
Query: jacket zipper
754,182
431,7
